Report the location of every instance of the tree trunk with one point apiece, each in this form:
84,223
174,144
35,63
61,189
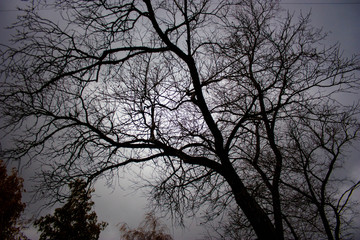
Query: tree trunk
258,219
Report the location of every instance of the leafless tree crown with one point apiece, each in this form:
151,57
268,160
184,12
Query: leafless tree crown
233,103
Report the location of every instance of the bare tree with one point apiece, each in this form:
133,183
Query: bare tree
232,102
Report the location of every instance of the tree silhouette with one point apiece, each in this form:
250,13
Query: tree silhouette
233,103
74,220
11,206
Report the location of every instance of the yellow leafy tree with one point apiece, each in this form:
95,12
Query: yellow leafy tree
149,229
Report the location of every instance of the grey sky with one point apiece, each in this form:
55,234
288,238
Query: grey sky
340,18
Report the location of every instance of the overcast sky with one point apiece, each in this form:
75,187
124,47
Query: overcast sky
341,18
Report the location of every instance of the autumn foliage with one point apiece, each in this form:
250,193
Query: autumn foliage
11,207
149,229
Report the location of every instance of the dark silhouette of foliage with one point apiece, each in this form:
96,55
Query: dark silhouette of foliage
234,104
74,220
149,229
11,206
